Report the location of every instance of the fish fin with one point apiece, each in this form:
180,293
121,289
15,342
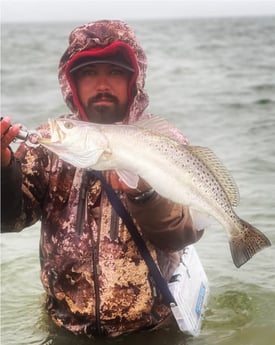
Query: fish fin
223,176
200,219
130,179
157,125
249,242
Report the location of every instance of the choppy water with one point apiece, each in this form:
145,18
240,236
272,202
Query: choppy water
213,78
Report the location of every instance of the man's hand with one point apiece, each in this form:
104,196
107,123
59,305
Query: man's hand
114,180
8,134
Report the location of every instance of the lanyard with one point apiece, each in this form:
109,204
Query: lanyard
128,221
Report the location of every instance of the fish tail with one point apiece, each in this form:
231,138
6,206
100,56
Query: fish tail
249,242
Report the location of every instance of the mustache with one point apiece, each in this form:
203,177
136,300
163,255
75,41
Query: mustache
103,95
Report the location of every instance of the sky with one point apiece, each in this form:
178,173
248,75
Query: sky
88,10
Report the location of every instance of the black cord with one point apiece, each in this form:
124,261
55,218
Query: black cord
128,221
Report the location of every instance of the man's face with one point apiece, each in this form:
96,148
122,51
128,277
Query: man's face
103,92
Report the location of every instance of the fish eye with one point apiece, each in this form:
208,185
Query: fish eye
68,125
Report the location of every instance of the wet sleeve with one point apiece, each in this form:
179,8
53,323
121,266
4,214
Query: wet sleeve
24,184
11,192
167,225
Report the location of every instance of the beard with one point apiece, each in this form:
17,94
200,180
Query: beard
105,114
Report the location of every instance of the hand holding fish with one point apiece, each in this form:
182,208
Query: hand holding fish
118,184
8,134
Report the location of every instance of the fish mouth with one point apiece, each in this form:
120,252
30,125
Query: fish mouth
56,134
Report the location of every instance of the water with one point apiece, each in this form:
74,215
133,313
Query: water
214,79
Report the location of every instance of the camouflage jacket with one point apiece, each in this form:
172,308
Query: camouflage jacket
92,272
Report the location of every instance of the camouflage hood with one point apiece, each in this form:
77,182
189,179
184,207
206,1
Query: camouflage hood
100,35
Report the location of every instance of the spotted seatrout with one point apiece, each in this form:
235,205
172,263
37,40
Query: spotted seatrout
189,175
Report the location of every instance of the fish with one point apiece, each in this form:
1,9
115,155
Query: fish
185,174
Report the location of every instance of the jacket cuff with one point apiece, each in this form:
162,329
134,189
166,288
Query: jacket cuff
11,192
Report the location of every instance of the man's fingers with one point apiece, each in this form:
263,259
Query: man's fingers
8,132
5,125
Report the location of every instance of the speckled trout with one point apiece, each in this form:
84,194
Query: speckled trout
189,175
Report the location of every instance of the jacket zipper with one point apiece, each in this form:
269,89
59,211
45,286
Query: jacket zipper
81,204
96,273
95,266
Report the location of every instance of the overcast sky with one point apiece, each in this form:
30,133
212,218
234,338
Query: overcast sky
88,10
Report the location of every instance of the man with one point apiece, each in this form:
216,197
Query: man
94,276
